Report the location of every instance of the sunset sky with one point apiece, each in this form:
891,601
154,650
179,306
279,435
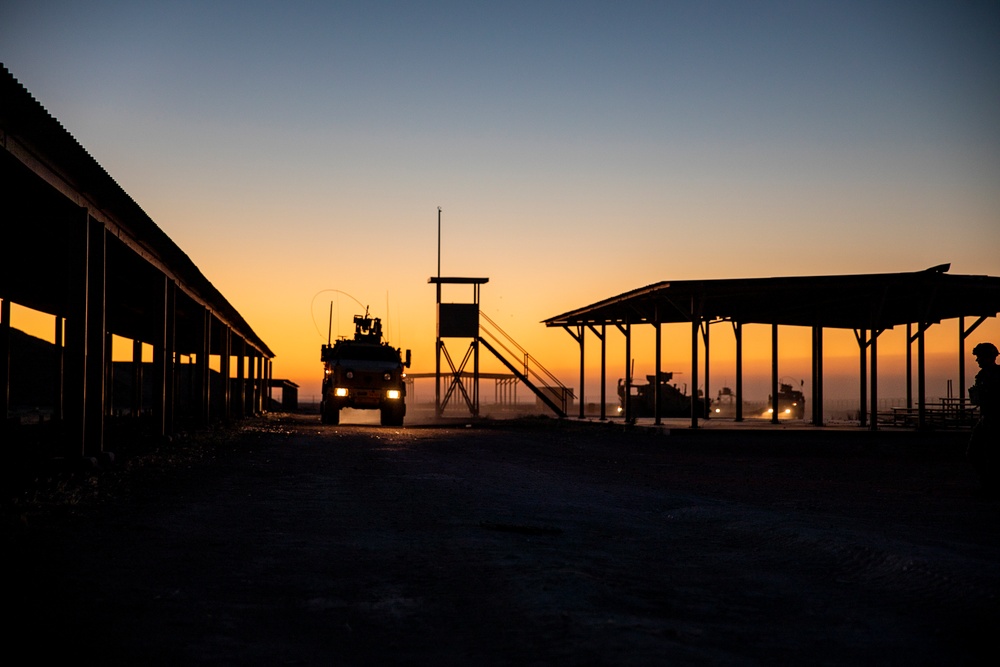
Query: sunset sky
298,153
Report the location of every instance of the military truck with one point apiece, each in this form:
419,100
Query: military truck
673,401
791,402
364,373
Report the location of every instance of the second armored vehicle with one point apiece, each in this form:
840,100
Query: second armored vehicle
673,402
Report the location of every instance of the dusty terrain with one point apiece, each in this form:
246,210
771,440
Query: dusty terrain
532,542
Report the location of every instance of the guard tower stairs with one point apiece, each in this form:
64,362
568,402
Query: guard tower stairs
528,370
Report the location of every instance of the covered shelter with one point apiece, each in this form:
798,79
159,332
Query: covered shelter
868,304
78,248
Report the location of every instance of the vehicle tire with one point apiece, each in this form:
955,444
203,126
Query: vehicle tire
329,415
392,416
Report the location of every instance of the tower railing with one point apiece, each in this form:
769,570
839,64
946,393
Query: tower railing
532,368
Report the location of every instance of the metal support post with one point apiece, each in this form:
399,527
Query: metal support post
774,374
738,332
659,364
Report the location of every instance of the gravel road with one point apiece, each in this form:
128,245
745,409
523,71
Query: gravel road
528,542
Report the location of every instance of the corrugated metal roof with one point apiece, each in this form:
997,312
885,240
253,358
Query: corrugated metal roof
27,127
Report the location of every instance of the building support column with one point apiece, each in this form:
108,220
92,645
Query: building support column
873,426
578,337
203,370
270,369
921,377
258,393
251,384
95,361
695,326
136,378
241,383
706,328
659,364
164,353
582,331
604,366
909,366
774,374
248,393
817,372
60,365
109,377
629,417
5,357
85,333
738,333
862,337
224,371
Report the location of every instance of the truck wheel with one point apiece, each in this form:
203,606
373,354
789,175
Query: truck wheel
392,416
329,415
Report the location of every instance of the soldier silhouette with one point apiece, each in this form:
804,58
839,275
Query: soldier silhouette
984,445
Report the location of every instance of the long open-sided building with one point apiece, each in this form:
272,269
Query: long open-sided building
77,247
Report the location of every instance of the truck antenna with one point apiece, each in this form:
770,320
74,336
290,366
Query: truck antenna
329,327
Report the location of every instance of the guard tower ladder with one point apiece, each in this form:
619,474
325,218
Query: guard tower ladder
546,386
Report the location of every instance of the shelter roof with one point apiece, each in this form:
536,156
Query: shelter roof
860,301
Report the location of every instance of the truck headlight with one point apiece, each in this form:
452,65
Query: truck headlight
393,394
340,392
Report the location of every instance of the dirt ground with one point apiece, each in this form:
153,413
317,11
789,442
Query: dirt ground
528,542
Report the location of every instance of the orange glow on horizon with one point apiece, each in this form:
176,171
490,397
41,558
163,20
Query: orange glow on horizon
295,337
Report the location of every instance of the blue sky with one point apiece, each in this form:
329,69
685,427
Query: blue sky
579,149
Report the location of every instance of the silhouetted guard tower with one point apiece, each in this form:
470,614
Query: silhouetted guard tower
457,320
461,320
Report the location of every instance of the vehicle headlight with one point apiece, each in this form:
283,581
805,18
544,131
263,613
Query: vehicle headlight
340,392
392,393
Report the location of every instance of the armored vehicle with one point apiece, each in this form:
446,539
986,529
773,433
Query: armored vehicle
364,373
673,401
791,402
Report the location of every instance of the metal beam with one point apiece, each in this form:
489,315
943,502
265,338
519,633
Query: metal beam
659,364
694,370
774,373
95,359
705,331
5,356
861,335
604,358
738,333
874,379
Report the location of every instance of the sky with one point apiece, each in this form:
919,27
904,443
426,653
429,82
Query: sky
298,153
